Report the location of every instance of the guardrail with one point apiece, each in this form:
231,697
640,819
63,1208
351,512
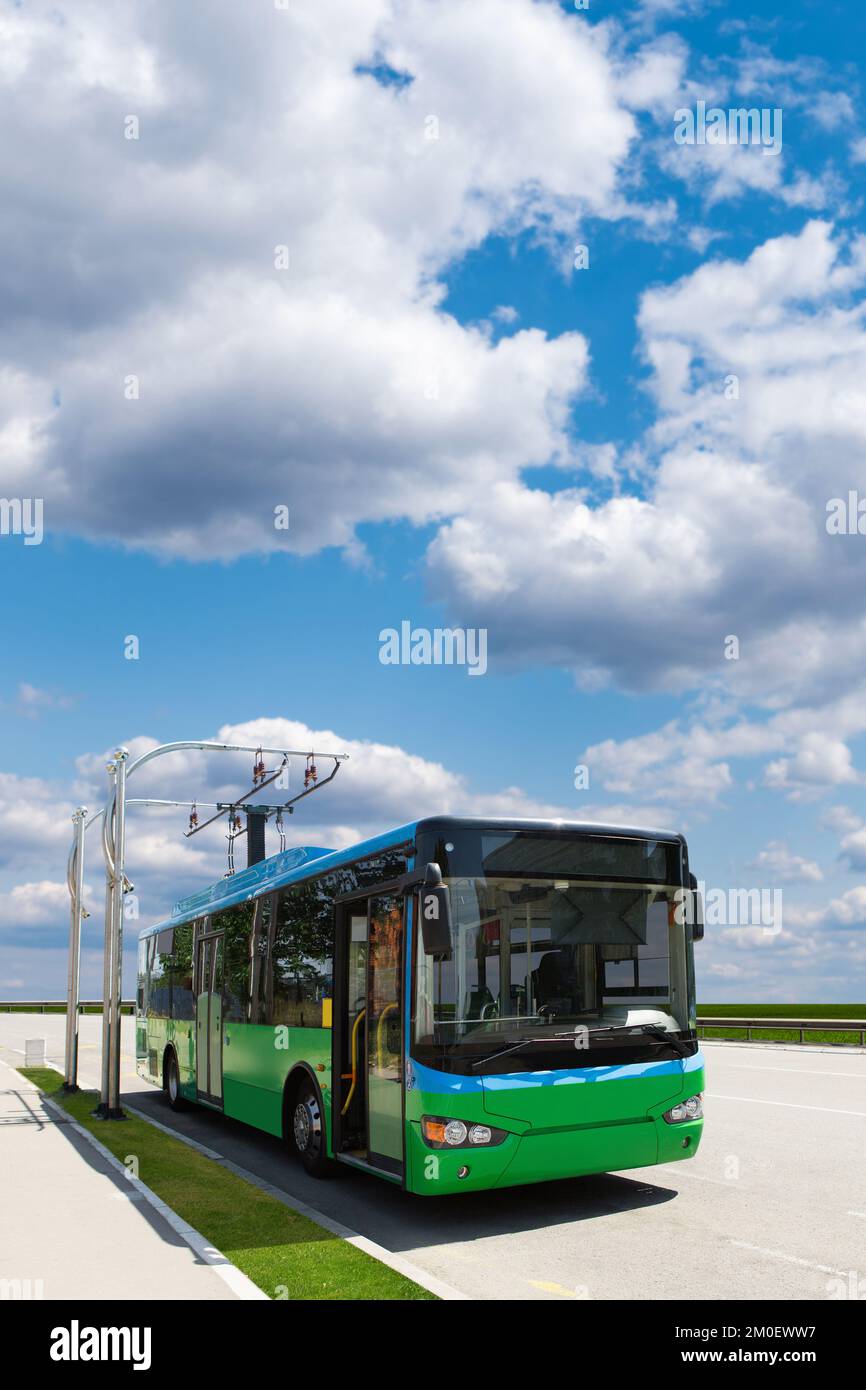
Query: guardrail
39,1006
801,1025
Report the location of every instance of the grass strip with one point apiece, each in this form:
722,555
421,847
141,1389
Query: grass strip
840,1011
286,1254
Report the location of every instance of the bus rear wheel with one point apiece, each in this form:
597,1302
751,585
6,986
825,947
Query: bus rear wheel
307,1131
172,1083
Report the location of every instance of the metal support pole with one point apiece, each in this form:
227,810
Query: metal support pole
76,880
113,835
118,848
107,962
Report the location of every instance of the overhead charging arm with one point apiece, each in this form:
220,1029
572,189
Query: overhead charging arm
238,805
287,805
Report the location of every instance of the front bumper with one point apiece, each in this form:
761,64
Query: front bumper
543,1156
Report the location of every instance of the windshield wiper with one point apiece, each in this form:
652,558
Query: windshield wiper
515,1047
654,1029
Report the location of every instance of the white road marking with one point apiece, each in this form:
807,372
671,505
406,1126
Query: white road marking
794,1071
861,1214
700,1177
789,1259
787,1104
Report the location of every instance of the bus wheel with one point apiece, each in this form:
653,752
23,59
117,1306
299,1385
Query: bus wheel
307,1131
172,1083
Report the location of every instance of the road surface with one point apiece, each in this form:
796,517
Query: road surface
773,1206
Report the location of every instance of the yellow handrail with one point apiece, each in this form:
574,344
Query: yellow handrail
380,1053
355,1027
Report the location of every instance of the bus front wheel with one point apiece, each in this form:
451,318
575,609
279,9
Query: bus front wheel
307,1130
172,1083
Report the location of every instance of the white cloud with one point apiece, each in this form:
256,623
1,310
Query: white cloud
727,534
849,910
840,818
780,864
727,970
32,701
381,786
34,904
820,761
853,849
338,386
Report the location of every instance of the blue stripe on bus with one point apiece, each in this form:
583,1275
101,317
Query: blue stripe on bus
421,1078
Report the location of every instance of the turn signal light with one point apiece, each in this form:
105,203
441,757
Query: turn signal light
440,1133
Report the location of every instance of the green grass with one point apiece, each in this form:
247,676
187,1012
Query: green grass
286,1254
839,1037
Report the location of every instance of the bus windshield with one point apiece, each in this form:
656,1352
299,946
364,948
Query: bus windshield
570,959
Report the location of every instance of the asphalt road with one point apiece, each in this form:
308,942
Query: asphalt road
773,1206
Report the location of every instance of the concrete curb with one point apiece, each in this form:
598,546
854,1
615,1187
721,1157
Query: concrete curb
370,1247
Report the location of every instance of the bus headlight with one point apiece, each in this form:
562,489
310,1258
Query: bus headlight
691,1109
440,1133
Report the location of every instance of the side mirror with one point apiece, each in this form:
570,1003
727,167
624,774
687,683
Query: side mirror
697,910
435,913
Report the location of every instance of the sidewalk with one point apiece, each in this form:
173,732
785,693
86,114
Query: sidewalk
69,1220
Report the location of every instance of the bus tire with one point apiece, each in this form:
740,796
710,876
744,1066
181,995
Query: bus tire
306,1128
172,1082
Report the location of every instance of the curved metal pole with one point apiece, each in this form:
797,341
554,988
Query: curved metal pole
203,746
113,834
75,880
119,846
107,963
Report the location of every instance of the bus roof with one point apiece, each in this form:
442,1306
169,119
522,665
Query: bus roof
305,861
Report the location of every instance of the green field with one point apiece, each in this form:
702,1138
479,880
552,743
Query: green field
290,1257
836,1037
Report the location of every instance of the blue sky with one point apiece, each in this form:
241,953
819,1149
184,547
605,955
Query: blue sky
466,429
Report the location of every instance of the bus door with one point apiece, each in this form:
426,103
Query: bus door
368,1038
209,1018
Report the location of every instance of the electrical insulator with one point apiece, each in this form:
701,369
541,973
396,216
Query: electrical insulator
193,817
258,768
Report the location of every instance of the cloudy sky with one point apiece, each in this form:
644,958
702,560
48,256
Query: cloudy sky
435,276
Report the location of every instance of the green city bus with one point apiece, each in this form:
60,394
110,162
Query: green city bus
432,1004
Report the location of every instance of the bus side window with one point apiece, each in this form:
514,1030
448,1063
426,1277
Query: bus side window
237,923
182,1001
301,959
